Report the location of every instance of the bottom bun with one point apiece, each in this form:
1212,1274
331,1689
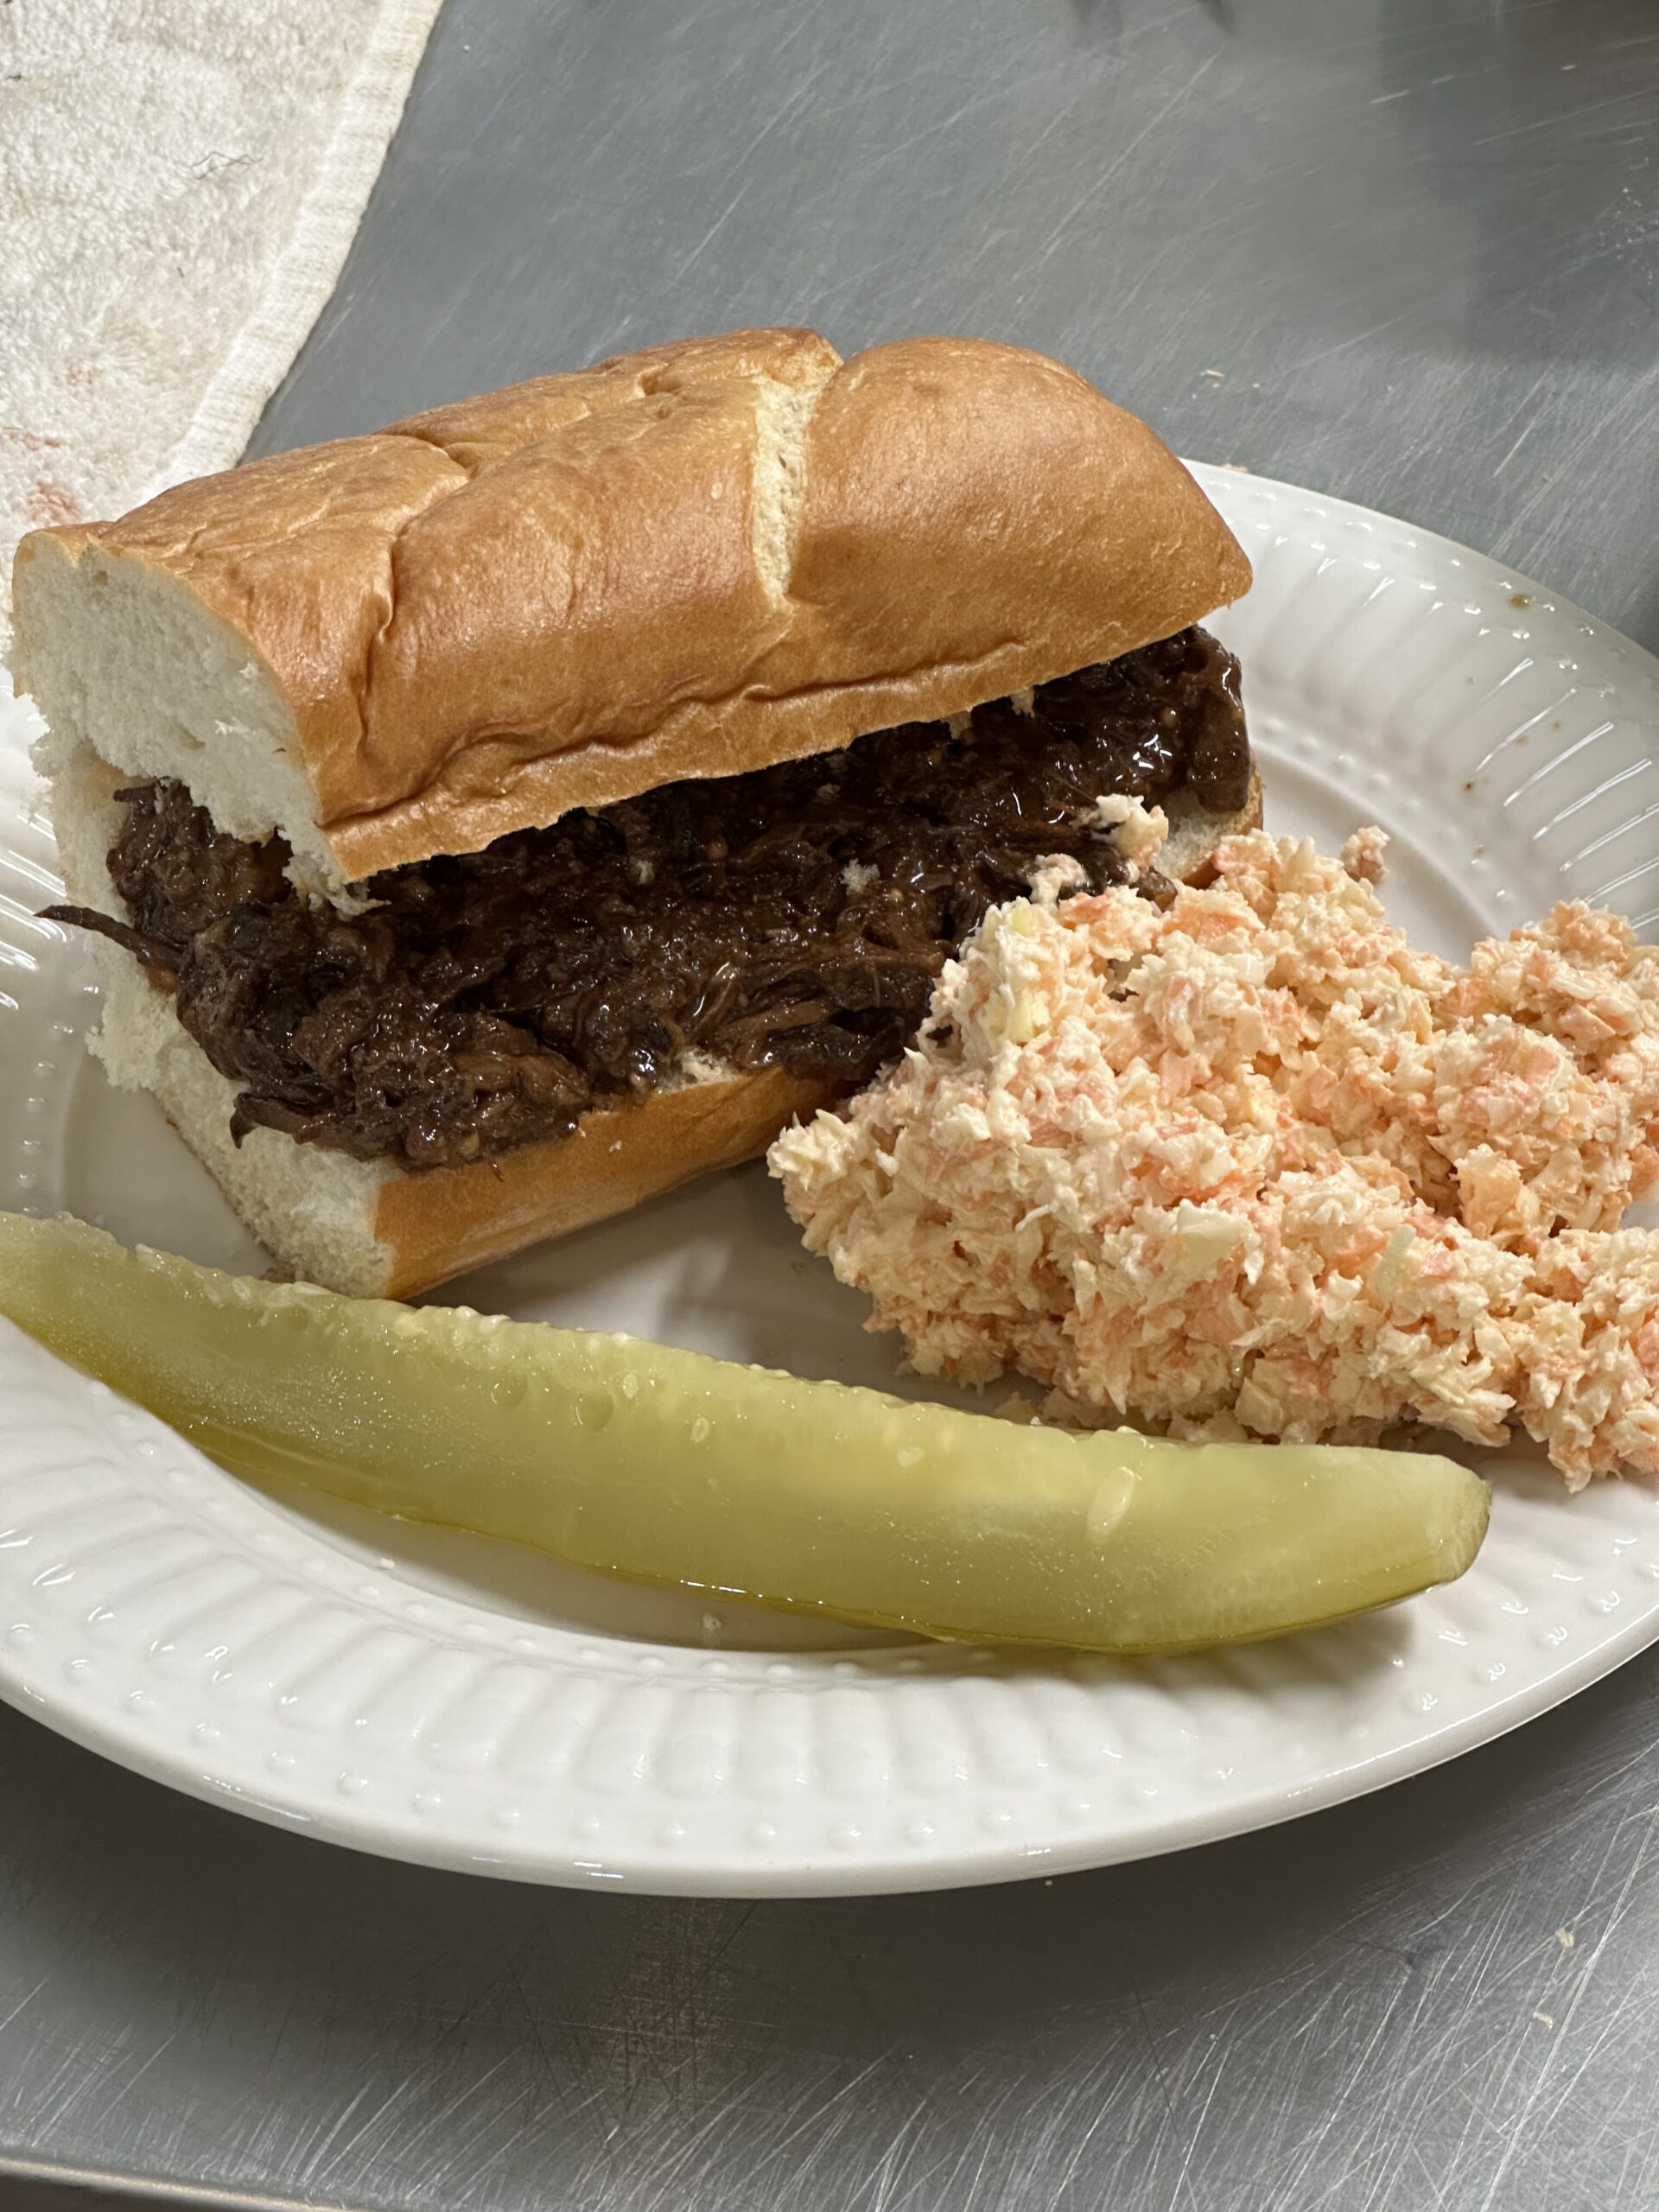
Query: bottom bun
374,1230
377,1230
1188,855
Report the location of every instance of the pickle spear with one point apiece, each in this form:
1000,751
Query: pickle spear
670,1468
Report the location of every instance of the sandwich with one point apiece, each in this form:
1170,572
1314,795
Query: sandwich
488,822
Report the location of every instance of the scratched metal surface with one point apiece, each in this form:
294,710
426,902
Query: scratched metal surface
1405,250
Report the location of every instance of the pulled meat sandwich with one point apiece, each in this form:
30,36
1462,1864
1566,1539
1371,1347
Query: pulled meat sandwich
491,821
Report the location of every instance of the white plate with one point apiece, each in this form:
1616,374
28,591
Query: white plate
471,1705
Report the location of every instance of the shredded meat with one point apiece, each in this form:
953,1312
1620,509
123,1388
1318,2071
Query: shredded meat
794,917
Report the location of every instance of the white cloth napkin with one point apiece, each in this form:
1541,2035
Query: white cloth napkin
180,181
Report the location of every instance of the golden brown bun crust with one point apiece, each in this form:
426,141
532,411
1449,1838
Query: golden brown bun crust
449,1220
695,560
980,508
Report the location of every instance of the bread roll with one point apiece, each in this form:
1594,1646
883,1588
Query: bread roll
693,561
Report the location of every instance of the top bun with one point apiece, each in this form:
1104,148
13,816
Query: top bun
692,561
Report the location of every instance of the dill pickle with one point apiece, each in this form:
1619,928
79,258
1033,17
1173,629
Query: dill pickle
670,1468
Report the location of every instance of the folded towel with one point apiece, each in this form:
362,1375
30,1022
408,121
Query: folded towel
180,181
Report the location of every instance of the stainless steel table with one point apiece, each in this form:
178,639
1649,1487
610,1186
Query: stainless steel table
1405,250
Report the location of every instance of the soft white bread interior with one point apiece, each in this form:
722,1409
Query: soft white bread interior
373,1230
688,561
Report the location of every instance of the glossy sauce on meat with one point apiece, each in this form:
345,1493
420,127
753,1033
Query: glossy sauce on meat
793,917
